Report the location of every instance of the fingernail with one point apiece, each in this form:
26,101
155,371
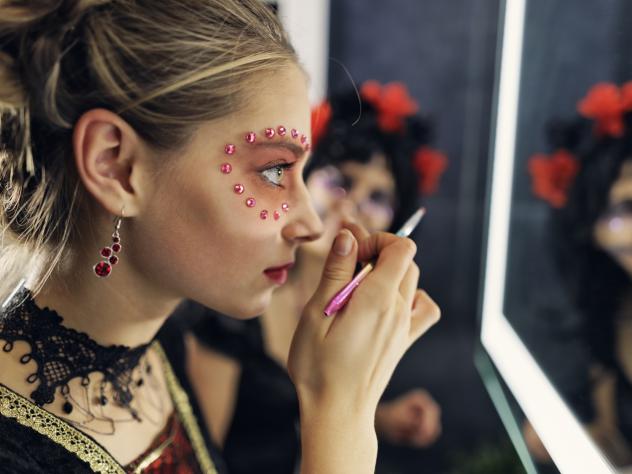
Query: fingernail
343,243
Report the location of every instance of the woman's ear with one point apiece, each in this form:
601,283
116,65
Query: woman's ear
107,152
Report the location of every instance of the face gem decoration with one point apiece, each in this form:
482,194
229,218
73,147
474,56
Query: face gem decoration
303,139
238,188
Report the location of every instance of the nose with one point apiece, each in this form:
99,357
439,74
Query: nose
304,224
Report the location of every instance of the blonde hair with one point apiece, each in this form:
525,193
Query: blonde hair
164,66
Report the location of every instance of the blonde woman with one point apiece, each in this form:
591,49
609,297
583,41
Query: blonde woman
150,152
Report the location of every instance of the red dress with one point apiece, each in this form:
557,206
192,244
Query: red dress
170,453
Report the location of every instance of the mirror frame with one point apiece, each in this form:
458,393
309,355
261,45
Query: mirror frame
569,445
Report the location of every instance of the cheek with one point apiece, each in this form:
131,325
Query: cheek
202,240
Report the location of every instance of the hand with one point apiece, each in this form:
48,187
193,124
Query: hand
534,443
413,419
340,365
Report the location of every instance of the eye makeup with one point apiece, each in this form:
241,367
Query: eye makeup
272,173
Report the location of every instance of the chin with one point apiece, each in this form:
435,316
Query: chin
248,307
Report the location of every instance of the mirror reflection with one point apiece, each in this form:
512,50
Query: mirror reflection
568,270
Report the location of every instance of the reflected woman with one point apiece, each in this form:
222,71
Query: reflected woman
588,182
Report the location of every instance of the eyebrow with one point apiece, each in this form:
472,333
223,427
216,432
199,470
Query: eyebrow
297,150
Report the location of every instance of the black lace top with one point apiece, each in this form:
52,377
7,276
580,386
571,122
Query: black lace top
33,441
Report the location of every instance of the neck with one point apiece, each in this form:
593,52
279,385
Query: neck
122,309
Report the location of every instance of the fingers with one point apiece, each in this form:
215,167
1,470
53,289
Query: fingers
395,256
373,245
359,232
408,286
339,268
428,426
425,314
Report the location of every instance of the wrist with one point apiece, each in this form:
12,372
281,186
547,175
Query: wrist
330,430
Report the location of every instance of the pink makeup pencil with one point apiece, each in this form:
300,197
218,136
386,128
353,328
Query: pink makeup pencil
340,299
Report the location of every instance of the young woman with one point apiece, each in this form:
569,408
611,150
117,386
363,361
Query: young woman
358,172
152,151
588,182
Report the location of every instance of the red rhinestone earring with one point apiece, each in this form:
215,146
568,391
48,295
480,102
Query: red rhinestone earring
108,254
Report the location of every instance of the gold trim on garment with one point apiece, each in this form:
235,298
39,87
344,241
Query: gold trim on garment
26,413
183,407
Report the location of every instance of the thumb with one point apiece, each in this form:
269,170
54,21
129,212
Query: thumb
339,267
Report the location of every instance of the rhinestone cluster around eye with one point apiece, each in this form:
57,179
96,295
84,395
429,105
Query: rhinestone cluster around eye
250,138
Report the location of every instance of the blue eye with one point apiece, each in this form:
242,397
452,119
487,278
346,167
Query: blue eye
274,174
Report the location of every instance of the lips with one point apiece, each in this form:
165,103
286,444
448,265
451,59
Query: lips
278,274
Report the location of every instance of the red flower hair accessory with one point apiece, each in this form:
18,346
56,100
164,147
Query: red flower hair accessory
606,103
552,176
321,115
392,102
430,164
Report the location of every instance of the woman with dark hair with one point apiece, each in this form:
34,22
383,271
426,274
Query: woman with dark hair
588,182
369,155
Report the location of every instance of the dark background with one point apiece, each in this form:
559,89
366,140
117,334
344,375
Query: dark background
445,51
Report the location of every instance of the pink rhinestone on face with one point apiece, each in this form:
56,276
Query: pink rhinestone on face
285,206
229,149
251,137
263,215
303,139
226,168
281,130
250,202
276,215
270,132
238,189
294,133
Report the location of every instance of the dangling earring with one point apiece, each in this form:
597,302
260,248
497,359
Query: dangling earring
104,267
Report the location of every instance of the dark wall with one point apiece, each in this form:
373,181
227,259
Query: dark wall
444,51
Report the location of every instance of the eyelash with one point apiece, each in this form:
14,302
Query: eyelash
280,166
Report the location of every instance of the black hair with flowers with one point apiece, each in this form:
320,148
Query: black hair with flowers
600,141
379,120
